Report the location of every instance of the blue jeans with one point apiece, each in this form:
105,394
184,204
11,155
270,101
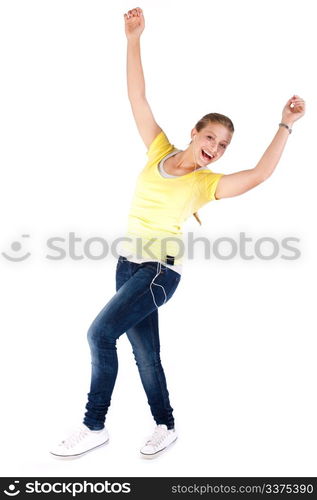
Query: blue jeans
131,310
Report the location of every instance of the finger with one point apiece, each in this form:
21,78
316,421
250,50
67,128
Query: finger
130,14
298,101
297,106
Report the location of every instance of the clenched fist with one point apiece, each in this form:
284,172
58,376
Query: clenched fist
134,23
293,110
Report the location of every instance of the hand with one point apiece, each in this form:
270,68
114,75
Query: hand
134,23
293,110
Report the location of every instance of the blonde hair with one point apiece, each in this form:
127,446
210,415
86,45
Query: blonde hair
206,120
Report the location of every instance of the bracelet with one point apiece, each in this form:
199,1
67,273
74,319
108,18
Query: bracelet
284,125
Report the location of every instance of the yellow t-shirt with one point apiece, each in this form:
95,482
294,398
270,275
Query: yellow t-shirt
160,205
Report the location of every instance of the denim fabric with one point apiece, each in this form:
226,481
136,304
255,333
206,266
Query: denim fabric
132,311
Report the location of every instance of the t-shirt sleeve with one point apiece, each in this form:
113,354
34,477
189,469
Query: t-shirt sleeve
159,147
212,180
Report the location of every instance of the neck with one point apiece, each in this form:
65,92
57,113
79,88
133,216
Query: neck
185,159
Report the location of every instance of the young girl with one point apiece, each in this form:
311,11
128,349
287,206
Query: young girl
173,185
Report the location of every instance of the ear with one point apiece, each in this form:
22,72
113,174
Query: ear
193,132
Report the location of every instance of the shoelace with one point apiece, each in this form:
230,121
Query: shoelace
157,437
74,439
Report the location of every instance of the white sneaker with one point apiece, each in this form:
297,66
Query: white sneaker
81,441
161,438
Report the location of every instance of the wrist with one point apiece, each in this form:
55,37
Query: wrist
287,121
284,126
133,39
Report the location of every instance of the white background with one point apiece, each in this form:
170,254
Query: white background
238,339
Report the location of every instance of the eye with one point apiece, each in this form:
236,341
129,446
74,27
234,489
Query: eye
209,137
223,146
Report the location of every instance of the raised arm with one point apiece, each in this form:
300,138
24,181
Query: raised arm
240,182
146,124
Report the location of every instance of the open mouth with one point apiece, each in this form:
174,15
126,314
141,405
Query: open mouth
206,156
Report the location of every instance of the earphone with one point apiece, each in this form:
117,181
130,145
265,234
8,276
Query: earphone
159,265
195,178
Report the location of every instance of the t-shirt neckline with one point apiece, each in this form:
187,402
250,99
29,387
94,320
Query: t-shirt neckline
161,163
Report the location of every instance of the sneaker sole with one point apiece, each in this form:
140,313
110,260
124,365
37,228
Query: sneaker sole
158,453
78,455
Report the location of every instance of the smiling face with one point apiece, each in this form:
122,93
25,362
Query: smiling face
210,142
